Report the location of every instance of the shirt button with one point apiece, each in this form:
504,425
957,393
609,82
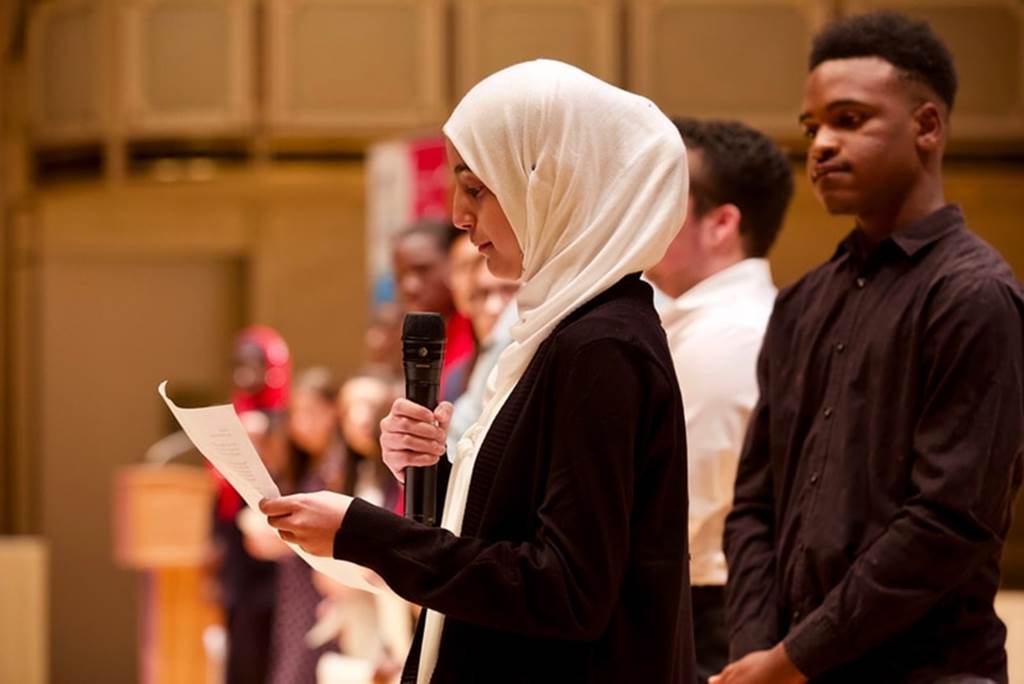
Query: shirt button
814,478
840,347
861,282
828,411
796,616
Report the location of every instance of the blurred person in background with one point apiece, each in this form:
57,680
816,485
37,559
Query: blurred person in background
382,341
362,402
422,269
262,379
493,310
315,462
373,628
717,274
463,258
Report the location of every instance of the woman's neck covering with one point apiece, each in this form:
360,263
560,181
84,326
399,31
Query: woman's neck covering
592,179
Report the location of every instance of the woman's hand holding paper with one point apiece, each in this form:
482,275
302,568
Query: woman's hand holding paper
308,520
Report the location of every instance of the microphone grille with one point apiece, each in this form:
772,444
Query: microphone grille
423,326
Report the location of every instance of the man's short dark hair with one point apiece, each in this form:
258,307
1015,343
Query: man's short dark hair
743,167
443,233
910,46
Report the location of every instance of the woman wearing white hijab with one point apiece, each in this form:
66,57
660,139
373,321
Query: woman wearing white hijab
562,553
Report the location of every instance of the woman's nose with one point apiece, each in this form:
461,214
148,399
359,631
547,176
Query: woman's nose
462,217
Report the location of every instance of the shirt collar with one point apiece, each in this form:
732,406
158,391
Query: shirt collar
723,286
912,238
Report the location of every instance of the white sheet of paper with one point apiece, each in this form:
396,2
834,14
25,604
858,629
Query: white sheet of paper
221,438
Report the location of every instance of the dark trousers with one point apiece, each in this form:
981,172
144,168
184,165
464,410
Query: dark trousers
709,632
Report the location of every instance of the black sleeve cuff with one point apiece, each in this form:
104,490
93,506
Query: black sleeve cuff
364,532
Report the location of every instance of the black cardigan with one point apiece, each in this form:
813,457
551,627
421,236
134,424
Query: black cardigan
572,565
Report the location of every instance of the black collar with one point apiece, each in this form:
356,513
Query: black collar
909,240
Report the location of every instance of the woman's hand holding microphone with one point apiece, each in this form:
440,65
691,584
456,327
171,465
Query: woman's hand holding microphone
412,435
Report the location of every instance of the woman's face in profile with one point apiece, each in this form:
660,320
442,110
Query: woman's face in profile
475,209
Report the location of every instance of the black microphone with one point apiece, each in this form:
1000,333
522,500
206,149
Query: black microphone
422,352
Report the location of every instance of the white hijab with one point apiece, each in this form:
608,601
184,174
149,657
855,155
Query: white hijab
593,181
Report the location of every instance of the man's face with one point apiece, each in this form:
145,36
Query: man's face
859,115
684,263
421,273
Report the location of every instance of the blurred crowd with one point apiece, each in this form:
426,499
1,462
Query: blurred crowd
284,623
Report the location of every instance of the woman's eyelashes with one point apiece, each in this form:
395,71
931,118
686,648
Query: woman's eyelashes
470,184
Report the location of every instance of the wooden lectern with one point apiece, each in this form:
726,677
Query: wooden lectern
162,528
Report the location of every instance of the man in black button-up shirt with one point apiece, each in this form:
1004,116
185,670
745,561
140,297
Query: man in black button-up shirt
874,492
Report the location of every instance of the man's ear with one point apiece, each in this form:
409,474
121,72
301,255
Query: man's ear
725,224
930,122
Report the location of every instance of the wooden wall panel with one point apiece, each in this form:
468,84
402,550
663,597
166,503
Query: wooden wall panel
492,34
187,66
67,70
735,59
355,67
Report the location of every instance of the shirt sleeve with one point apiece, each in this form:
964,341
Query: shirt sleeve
563,582
752,603
966,469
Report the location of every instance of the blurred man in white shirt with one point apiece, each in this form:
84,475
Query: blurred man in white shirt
722,294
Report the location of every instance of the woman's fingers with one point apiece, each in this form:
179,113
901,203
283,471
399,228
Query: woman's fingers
410,426
397,461
409,409
443,416
282,505
412,435
281,522
397,441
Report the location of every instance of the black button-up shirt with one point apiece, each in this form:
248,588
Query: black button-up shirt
874,491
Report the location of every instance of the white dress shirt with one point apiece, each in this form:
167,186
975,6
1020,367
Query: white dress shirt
715,330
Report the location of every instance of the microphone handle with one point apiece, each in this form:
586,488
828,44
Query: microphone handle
421,482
